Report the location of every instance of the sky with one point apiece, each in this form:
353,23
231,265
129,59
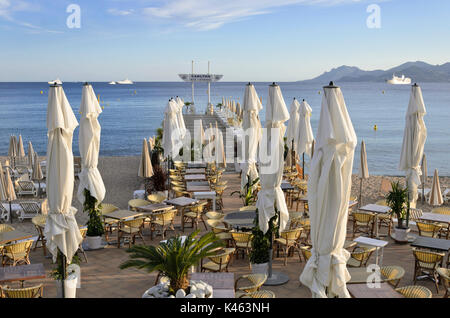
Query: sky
245,40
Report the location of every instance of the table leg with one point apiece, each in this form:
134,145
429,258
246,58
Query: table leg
376,226
118,234
214,203
182,220
381,257
376,255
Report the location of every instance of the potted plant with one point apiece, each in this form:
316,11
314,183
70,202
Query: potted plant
173,259
397,200
71,281
248,194
157,151
259,253
95,228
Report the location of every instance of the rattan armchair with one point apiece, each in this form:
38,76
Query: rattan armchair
363,223
29,292
442,210
134,204
131,229
360,256
194,214
392,274
213,215
242,242
6,228
428,229
288,240
444,273
17,253
262,293
415,292
108,223
162,221
156,198
427,262
253,282
306,252
39,222
218,262
220,230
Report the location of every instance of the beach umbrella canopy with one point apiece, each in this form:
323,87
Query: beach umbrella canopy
293,125
89,144
3,196
209,144
220,156
363,172
12,150
171,140
414,138
252,128
20,149
37,171
151,144
271,174
180,117
61,230
436,194
145,165
9,189
305,137
329,188
424,170
30,154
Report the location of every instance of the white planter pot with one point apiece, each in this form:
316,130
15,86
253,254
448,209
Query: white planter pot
94,242
262,268
70,287
401,234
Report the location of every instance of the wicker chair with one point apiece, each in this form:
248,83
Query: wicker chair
218,262
384,219
108,223
219,193
6,228
221,231
213,215
163,221
428,229
427,262
441,210
306,252
156,198
29,292
360,256
17,253
83,232
253,282
134,204
39,222
131,229
28,210
363,223
242,242
415,292
289,240
259,294
444,273
195,214
392,274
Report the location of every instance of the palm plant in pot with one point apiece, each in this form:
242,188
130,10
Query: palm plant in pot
174,259
397,200
95,228
70,274
260,248
248,194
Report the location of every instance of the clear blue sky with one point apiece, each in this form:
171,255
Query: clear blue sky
246,40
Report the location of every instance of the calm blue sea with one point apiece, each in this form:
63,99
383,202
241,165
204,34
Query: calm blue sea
132,112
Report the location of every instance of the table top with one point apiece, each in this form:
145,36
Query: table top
359,275
352,203
363,291
222,283
198,188
155,207
14,235
122,214
240,218
190,177
196,165
22,272
432,243
375,208
181,201
436,217
370,241
286,186
195,170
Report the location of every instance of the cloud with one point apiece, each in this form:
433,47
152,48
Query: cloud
212,14
114,11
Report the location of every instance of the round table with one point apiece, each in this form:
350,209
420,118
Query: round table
240,219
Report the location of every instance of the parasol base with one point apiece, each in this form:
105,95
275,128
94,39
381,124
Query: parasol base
277,278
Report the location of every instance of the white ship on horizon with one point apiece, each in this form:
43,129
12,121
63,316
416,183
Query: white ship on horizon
125,82
112,83
399,80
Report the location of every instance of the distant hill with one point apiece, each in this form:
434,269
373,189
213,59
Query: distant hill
417,71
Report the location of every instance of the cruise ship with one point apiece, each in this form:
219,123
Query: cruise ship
125,82
399,80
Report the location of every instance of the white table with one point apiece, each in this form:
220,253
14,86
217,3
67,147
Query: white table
139,194
378,244
377,209
211,195
435,217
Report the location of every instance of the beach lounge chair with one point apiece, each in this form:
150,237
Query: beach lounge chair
27,188
415,292
28,210
28,292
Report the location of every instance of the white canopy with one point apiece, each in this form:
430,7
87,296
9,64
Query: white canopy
436,194
293,125
37,171
10,191
30,154
363,167
61,230
329,188
172,135
271,174
252,128
220,156
305,134
180,117
20,149
12,150
414,138
89,143
145,164
209,144
2,184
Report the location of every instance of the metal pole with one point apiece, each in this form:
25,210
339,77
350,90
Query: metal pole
303,166
192,83
360,193
209,85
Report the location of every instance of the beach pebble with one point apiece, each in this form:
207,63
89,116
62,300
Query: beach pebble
193,289
200,294
180,293
191,296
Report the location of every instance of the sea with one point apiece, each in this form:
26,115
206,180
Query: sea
133,112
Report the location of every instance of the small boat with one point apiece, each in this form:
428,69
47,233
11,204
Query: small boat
56,81
399,80
112,83
125,82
